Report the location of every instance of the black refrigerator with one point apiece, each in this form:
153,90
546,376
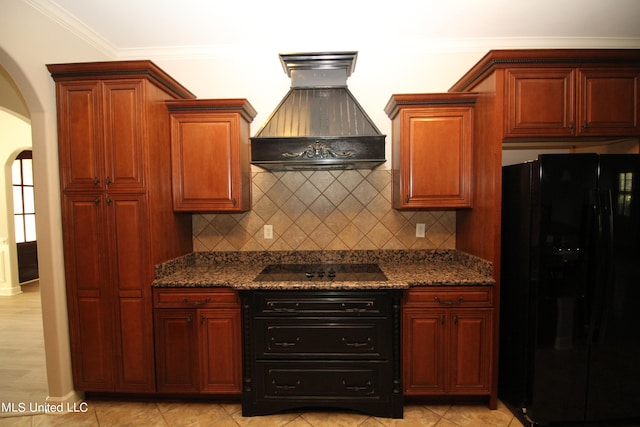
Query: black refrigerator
570,289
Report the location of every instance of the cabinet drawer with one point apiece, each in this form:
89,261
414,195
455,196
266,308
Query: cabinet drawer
187,298
339,381
320,303
322,338
451,296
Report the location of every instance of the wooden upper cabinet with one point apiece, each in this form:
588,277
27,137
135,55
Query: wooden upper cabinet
101,138
608,102
572,102
540,102
106,114
432,145
80,135
211,170
124,131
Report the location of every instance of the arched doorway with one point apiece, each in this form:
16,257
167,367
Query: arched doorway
50,263
24,216
22,357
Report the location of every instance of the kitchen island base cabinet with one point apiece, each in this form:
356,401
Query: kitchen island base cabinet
323,349
447,342
198,341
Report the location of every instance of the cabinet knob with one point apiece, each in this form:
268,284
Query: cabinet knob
571,125
107,182
585,125
96,181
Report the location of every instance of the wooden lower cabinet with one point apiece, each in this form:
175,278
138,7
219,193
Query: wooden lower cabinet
447,341
198,341
111,331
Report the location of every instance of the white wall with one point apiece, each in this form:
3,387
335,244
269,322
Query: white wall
258,76
29,40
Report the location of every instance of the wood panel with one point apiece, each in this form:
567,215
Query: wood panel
221,350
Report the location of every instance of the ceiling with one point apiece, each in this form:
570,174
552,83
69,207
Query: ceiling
130,25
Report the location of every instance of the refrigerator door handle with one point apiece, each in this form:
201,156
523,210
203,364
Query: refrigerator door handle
593,238
608,265
604,263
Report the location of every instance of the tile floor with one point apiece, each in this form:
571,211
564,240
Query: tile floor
23,382
109,413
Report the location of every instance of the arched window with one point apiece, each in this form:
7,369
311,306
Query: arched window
24,215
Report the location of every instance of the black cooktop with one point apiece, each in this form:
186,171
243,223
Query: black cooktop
321,272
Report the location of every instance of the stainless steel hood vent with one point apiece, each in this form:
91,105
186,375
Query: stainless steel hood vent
318,124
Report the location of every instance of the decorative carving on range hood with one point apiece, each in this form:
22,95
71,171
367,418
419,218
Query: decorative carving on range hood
318,124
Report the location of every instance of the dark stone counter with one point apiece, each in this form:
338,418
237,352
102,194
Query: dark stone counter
403,268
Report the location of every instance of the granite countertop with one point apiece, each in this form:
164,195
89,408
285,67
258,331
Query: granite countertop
403,269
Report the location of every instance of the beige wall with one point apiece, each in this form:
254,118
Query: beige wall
29,40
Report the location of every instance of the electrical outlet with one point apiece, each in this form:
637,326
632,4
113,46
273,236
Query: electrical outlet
268,231
419,230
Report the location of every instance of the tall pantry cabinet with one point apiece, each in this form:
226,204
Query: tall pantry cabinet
117,216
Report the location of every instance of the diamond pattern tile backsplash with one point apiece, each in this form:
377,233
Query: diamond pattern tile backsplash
323,210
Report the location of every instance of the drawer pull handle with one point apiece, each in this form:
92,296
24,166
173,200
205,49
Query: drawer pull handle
439,301
285,310
196,303
285,386
356,387
285,343
348,309
273,305
357,344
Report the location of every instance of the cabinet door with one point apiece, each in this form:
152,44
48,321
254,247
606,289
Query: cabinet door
89,294
206,164
540,102
471,341
80,135
423,351
435,158
221,351
177,351
609,102
124,128
129,255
